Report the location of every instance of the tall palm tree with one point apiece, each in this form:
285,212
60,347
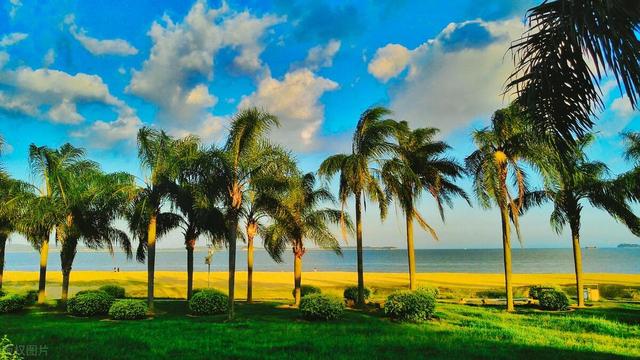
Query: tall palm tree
303,219
230,172
570,181
500,149
420,166
197,219
630,180
156,151
358,172
569,47
92,202
51,166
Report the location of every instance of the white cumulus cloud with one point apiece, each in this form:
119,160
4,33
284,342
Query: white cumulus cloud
296,101
95,46
322,55
452,79
12,39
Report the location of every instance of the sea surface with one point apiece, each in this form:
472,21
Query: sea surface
601,260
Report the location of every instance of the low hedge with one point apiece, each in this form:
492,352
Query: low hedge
31,297
208,302
11,303
321,307
90,303
114,290
128,309
306,290
406,305
553,300
351,293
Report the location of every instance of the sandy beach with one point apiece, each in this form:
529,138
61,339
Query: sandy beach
278,285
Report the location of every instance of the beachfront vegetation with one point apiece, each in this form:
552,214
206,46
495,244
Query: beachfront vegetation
128,309
321,307
208,302
411,305
90,303
358,172
553,299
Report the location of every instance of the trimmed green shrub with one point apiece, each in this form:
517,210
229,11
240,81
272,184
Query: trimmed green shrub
128,309
208,302
11,303
8,350
90,303
431,290
89,291
2,293
321,307
405,305
306,290
554,300
114,290
351,293
31,297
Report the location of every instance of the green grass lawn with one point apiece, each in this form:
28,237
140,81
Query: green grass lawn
267,330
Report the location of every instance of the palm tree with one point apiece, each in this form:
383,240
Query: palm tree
554,79
568,182
52,166
420,165
156,151
303,219
230,172
501,147
197,219
92,202
630,180
358,174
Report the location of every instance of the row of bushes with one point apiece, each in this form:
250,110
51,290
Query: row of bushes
99,302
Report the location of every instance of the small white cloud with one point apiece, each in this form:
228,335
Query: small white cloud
65,113
295,100
95,46
105,134
389,61
122,70
321,56
200,96
622,107
15,6
12,39
49,58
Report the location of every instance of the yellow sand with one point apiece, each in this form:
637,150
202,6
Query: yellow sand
278,285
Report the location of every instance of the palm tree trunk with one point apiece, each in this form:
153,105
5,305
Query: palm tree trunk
191,244
3,244
410,252
249,266
297,273
360,301
577,260
233,235
67,255
42,282
151,259
506,247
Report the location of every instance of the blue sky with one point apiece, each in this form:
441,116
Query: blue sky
92,73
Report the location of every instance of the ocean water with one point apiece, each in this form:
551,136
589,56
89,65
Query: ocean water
616,260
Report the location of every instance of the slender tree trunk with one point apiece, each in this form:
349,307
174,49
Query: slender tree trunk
410,252
3,244
42,282
151,259
506,247
67,255
249,266
191,244
233,235
298,251
577,260
360,301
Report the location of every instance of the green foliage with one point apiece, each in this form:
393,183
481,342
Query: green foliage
31,297
208,302
90,303
306,290
2,293
114,290
351,293
7,350
89,291
128,309
321,307
553,300
11,303
405,305
619,292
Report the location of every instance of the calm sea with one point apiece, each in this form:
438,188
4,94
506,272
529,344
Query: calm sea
617,260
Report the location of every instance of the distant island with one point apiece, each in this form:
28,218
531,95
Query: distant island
629,246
